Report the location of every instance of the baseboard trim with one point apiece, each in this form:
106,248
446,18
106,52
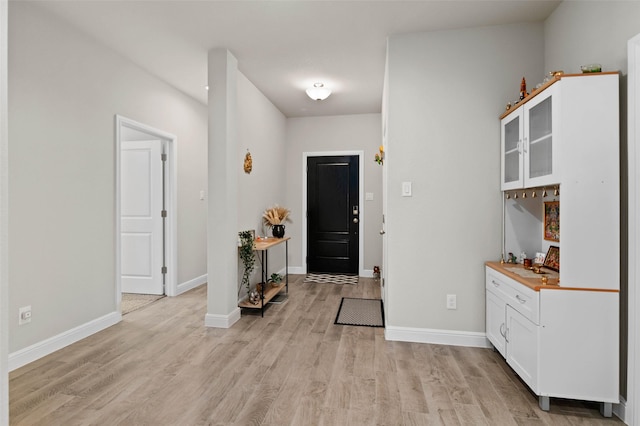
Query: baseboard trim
620,410
222,321
367,273
48,346
438,337
191,284
297,270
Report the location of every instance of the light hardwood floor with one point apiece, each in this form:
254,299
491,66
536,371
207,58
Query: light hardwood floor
161,366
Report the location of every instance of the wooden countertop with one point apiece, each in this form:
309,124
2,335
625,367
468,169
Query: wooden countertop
516,271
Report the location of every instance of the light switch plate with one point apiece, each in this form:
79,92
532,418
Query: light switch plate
406,189
368,196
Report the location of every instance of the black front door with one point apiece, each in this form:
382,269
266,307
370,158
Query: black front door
333,214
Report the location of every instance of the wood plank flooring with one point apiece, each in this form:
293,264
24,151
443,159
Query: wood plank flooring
161,366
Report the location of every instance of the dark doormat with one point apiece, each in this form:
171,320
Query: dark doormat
363,312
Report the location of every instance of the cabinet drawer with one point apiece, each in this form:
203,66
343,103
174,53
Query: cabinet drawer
518,296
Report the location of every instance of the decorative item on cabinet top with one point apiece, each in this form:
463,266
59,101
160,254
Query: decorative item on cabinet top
551,78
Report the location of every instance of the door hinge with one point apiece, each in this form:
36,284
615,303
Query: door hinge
163,213
163,157
164,270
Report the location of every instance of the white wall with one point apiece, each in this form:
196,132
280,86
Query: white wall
261,130
446,92
65,91
585,32
335,133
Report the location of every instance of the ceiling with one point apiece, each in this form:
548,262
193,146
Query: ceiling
282,47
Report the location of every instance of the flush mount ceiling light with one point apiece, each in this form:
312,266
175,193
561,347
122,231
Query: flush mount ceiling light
318,92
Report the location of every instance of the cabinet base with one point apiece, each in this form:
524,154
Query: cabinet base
606,408
543,402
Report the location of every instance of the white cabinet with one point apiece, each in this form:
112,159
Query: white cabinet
510,314
561,339
522,346
496,325
570,128
529,138
562,342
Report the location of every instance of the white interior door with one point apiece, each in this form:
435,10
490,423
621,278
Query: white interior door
141,240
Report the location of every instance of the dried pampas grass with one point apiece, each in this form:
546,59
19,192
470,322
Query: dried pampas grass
275,215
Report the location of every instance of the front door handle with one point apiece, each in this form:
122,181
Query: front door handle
355,220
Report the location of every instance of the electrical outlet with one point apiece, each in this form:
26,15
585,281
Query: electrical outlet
24,315
451,301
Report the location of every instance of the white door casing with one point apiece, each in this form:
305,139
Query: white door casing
127,129
141,238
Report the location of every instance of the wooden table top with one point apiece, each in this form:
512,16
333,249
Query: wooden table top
266,243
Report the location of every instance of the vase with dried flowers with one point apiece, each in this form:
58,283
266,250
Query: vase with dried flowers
274,217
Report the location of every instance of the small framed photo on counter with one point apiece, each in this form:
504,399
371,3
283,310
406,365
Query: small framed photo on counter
552,259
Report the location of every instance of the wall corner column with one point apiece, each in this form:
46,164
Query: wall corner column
4,224
222,215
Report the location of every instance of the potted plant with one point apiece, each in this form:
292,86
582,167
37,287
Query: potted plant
275,280
274,217
248,258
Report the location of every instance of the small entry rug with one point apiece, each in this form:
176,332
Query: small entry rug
365,312
133,301
331,278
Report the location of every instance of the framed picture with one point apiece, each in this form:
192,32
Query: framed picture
552,221
552,259
539,258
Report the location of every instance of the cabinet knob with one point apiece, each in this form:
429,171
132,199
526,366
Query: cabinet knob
520,299
495,283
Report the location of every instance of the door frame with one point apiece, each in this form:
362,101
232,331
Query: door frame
170,194
360,155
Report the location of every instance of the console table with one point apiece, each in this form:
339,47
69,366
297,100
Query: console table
268,292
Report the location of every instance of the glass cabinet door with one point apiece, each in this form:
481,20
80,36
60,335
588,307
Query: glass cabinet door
539,137
511,155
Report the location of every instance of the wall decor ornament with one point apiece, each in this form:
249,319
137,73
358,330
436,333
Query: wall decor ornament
552,221
248,163
380,155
